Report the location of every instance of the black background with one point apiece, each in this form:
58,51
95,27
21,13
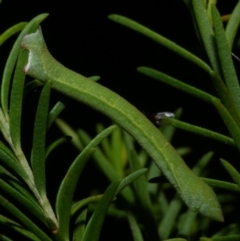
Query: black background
80,36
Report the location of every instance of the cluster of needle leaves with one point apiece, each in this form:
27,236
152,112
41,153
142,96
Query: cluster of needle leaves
152,214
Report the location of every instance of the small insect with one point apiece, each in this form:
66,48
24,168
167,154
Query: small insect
156,118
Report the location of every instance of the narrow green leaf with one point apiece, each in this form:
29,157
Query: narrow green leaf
18,228
184,150
25,221
186,224
123,183
95,223
169,220
66,191
225,96
199,131
229,121
38,154
136,231
79,226
232,25
206,32
209,9
57,143
11,31
229,72
100,159
141,192
112,212
119,155
95,78
159,39
221,184
69,183
57,109
202,163
86,201
106,167
130,178
15,111
9,67
16,184
9,160
68,131
3,237
232,171
106,144
175,83
32,207
230,229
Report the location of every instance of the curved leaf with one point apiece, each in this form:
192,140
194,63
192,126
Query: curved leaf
69,183
68,131
199,131
206,32
86,201
56,143
159,39
136,231
39,135
221,184
232,171
57,109
93,229
141,192
15,110
130,178
11,31
229,121
106,167
175,83
79,226
169,219
32,207
225,96
229,72
25,221
9,67
187,223
232,25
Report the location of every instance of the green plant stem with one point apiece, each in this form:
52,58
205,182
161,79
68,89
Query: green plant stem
51,219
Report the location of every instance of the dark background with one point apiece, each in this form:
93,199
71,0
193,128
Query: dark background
80,36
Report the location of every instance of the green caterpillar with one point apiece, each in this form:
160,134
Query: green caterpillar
41,65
